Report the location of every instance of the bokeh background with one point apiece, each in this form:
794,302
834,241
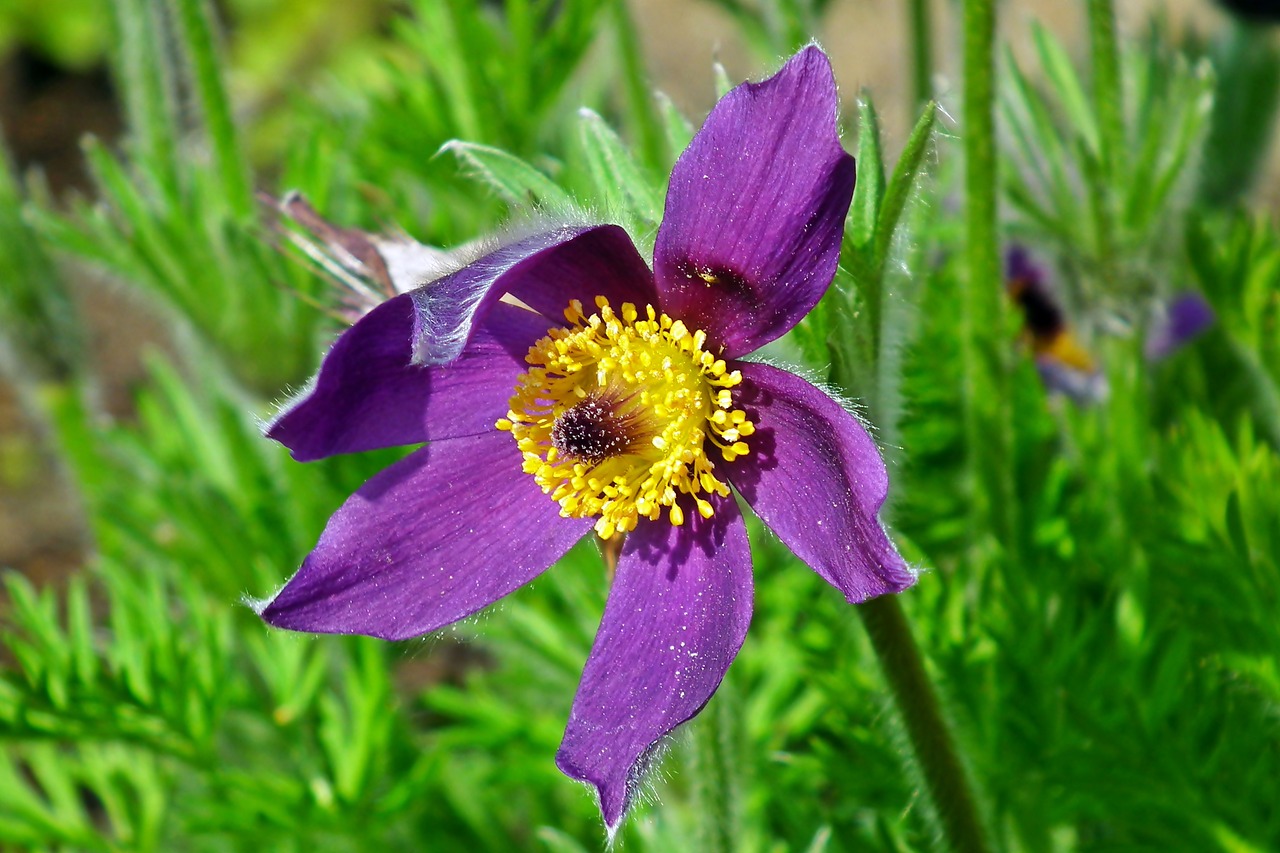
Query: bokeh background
1099,528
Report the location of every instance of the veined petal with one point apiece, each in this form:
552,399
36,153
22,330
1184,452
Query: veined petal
432,539
676,617
756,207
545,272
368,394
816,478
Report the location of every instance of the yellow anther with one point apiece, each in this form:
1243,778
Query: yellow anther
617,413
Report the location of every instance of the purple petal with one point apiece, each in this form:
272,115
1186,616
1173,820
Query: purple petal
1082,386
1183,318
756,207
816,478
368,393
1030,289
676,617
544,271
432,539
1019,266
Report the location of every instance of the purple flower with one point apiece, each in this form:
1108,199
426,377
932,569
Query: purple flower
1065,367
563,386
1179,321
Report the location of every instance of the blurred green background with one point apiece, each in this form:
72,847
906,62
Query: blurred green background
1098,607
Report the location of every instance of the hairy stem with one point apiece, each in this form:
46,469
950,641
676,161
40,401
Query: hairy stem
927,728
715,787
919,22
984,341
1108,96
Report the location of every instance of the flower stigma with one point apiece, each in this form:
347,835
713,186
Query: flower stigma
617,414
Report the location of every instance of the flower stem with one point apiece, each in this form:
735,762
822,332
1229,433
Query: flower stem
927,728
715,789
1108,106
984,341
1108,96
920,24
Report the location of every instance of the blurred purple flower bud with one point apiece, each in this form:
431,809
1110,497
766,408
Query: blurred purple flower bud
1179,321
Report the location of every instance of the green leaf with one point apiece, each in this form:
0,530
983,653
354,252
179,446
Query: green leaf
80,632
903,182
1058,67
868,192
231,170
676,128
143,73
615,171
518,183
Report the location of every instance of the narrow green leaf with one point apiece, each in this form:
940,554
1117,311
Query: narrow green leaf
1061,72
1189,131
519,184
1045,140
1023,199
1108,89
616,171
80,632
143,70
457,25
1098,195
645,123
557,841
905,173
228,160
723,82
163,266
868,193
678,129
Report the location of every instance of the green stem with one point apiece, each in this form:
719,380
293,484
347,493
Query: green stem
920,24
1108,95
927,728
714,774
984,341
1108,105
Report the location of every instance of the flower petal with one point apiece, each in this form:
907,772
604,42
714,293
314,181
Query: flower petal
544,271
816,478
1179,321
439,535
676,617
368,393
361,254
755,209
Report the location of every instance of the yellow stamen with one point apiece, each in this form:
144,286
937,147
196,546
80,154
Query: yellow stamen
616,416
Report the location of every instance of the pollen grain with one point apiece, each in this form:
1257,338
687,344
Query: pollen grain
619,415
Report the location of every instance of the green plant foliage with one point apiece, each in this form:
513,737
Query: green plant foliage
775,29
34,303
1103,634
179,228
1106,218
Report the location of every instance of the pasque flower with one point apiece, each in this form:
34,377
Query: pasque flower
1065,367
562,386
1177,322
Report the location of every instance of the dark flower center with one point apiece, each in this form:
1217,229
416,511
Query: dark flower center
590,432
